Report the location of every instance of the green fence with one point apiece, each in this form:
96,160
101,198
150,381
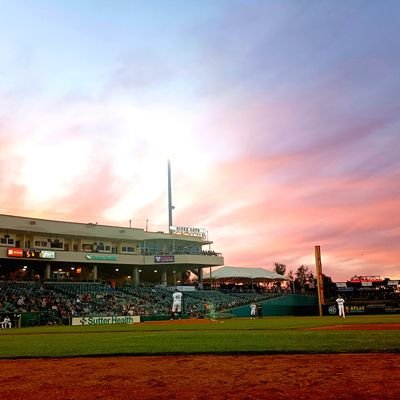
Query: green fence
292,304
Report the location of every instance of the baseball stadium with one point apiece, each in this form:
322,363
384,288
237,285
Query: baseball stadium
87,312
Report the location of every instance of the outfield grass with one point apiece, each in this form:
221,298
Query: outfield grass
269,335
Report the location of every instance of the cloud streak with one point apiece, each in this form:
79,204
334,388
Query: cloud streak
281,121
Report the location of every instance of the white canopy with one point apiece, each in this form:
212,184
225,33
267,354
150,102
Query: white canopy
249,273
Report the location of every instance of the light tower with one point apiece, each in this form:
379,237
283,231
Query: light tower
170,206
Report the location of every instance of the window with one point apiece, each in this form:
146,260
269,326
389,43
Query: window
102,248
57,245
6,241
40,243
127,249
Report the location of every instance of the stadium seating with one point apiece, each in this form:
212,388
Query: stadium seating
57,302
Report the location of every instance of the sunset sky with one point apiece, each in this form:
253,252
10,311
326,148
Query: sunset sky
281,120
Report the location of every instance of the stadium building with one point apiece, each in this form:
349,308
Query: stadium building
33,249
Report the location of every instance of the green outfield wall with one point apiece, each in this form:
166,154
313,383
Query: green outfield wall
292,304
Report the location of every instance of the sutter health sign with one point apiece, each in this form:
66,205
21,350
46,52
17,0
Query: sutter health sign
117,319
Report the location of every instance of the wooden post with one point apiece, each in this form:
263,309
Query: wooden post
320,282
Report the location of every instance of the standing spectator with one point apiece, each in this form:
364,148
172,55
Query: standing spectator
340,303
253,308
176,304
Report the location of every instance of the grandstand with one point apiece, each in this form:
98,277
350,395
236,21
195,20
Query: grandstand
55,302
58,302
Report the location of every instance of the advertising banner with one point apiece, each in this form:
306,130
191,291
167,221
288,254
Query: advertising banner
365,308
116,319
164,259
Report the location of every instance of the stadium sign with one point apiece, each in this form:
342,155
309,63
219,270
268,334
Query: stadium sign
188,231
366,284
354,309
47,254
116,319
186,288
365,278
101,257
389,307
30,253
332,310
164,259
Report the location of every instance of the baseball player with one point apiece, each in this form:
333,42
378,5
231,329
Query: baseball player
6,323
176,304
253,309
340,303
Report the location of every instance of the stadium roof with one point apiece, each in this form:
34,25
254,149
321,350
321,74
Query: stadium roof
92,230
249,273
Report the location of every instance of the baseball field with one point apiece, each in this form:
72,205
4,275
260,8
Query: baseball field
271,358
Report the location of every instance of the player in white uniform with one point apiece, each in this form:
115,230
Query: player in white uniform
340,303
253,308
176,304
6,323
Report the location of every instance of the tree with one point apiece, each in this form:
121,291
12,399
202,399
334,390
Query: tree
329,287
291,280
280,268
303,276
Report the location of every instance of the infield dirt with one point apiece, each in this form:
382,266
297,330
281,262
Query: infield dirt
202,377
344,376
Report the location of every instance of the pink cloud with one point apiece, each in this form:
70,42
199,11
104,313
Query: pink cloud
256,221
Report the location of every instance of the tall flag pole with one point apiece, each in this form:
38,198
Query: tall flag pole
320,281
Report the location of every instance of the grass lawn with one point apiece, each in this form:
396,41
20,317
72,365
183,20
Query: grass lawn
233,336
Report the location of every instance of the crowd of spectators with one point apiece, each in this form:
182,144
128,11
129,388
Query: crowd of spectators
57,303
